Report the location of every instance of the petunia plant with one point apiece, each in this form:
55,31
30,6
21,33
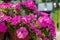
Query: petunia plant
22,18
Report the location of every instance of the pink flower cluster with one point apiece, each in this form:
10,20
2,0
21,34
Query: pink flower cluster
34,29
46,22
27,19
43,22
14,21
37,25
5,5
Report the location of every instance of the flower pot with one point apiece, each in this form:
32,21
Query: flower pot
2,36
13,36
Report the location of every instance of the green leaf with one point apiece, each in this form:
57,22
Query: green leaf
37,26
33,36
10,27
43,34
4,11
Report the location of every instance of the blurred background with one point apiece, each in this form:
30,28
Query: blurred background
50,6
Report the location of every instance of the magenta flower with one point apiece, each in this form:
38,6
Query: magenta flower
52,31
17,6
37,31
24,20
32,26
29,4
41,22
34,29
7,18
22,32
51,27
45,21
33,17
43,14
5,5
28,19
15,20
3,27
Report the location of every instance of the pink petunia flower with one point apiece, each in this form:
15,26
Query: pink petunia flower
34,29
22,32
3,27
24,20
15,20
37,31
33,17
43,14
32,26
52,31
29,4
28,19
45,21
7,18
5,5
